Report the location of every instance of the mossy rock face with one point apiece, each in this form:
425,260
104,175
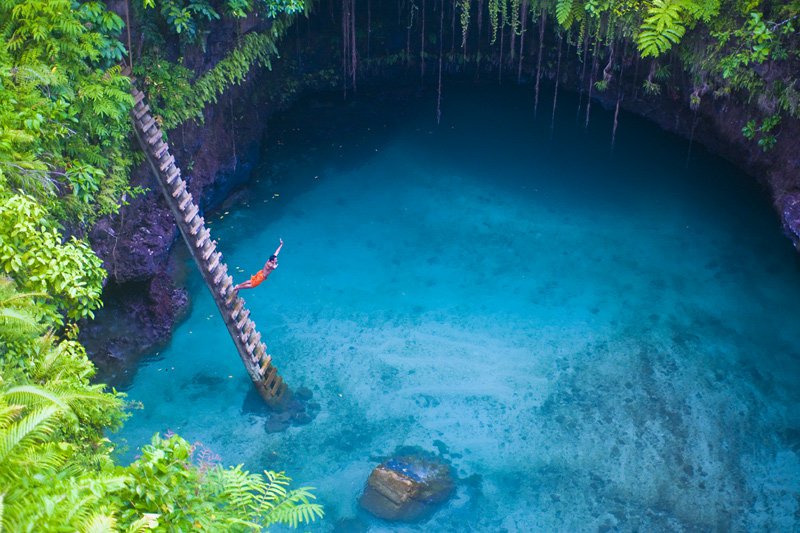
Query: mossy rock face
407,488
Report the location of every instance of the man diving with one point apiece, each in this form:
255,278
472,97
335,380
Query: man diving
259,277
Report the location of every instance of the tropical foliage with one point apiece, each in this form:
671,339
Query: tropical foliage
64,120
175,98
32,251
728,47
51,482
164,483
57,470
65,158
190,18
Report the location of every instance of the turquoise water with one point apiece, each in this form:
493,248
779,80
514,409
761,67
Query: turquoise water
593,341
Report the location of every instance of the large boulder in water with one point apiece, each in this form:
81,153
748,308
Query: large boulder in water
407,488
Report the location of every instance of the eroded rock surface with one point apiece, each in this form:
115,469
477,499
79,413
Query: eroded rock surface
407,488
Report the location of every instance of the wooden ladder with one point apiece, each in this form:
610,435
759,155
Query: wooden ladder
242,329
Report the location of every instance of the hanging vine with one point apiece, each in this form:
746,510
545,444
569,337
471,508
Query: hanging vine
494,18
558,79
523,26
514,20
542,25
464,6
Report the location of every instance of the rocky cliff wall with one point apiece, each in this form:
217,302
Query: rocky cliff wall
143,300
141,297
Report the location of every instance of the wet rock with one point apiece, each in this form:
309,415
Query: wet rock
303,394
790,213
407,488
136,317
301,419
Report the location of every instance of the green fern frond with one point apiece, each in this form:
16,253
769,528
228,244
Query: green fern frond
100,523
295,509
34,427
702,9
33,395
9,413
80,511
662,27
564,12
47,457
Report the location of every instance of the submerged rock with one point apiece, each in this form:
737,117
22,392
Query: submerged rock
295,409
407,488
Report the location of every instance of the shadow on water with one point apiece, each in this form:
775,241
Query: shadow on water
297,408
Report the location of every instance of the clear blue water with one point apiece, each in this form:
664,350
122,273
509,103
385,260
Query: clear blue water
593,341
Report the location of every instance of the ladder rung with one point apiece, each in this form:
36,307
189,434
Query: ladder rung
221,271
174,173
250,327
272,375
255,338
226,290
160,149
208,249
278,388
154,137
243,321
202,240
245,338
187,198
251,349
179,189
214,261
147,123
202,237
166,163
237,308
260,350
138,113
265,363
196,225
190,214
138,96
